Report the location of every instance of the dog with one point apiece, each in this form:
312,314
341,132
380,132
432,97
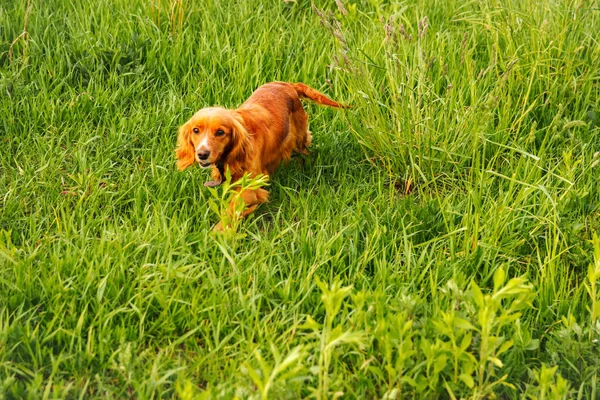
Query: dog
255,138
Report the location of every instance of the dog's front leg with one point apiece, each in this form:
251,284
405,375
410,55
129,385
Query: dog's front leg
251,198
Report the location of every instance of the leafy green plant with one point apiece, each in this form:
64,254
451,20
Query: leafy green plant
328,335
396,339
267,376
495,312
593,277
474,340
548,385
229,205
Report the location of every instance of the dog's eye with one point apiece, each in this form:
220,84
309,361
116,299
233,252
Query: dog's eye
196,130
220,132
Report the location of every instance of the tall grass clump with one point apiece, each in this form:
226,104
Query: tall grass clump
445,88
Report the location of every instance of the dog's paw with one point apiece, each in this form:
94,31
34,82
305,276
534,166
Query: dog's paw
212,184
219,227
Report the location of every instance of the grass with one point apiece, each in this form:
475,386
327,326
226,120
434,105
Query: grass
440,242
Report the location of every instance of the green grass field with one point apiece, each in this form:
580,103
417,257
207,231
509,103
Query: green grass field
440,242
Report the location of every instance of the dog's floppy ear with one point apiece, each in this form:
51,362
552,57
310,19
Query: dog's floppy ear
242,146
185,149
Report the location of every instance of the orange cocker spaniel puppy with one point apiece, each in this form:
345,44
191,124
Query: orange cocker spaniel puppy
254,138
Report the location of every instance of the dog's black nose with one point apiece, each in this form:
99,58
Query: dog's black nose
203,155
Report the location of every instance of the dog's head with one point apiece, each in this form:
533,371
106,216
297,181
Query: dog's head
213,136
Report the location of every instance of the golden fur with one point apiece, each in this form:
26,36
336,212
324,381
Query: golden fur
254,138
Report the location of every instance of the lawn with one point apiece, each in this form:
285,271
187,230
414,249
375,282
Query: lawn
441,241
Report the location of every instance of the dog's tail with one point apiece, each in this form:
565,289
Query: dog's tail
307,92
